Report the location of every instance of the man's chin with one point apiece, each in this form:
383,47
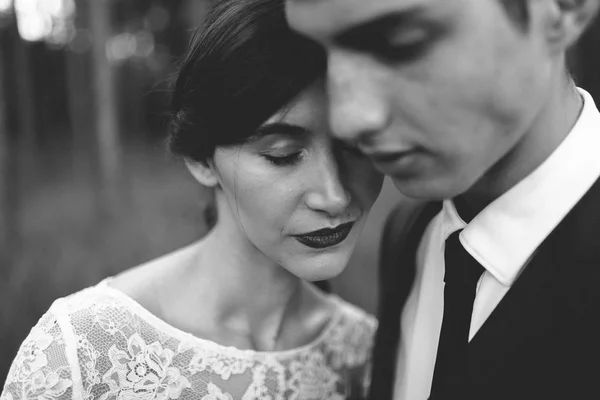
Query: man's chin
426,189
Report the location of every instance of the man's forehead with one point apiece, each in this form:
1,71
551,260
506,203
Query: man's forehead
321,19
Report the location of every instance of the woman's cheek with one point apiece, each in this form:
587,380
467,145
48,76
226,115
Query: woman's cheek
267,202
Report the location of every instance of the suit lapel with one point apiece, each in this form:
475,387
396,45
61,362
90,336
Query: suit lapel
541,341
523,340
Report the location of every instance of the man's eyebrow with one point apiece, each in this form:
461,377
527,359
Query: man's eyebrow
280,128
355,35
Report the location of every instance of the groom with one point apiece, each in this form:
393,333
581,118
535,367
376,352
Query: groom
490,276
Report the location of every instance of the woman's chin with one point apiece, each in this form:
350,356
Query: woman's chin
321,267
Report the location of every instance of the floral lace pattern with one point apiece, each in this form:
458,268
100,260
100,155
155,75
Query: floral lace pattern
143,372
317,382
99,344
32,369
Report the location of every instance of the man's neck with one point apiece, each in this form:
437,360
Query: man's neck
551,126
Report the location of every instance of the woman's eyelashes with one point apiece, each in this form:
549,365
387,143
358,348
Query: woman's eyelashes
290,157
283,160
282,152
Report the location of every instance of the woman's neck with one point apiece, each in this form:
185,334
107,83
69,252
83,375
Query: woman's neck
227,287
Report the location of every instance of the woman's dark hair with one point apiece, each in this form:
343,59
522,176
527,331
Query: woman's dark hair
241,67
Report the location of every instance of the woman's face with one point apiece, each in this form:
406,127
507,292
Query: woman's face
294,194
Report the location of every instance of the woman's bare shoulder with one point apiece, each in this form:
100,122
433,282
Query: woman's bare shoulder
146,282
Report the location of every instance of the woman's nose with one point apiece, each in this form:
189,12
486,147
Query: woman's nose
328,193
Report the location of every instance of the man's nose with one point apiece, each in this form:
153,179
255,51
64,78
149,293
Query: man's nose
357,104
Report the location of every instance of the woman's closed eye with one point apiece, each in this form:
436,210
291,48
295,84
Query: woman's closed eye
281,144
282,158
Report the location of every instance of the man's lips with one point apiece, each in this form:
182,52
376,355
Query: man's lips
389,157
397,163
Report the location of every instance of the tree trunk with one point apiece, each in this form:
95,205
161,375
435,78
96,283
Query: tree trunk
26,109
79,87
5,186
107,130
10,175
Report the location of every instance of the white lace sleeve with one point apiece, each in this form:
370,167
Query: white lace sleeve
41,369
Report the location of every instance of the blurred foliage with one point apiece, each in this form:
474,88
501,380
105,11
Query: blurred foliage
69,218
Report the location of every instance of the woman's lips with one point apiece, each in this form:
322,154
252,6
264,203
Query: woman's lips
324,238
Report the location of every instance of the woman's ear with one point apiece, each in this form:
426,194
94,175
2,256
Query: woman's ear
204,172
571,18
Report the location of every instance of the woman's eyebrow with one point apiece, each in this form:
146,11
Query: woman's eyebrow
280,128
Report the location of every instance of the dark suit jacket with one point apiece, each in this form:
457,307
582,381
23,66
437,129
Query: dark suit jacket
541,342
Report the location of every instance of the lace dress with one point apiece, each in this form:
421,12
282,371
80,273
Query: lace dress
101,344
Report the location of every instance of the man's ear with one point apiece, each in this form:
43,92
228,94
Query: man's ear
569,19
204,172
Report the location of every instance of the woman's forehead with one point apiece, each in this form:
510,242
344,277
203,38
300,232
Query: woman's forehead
306,108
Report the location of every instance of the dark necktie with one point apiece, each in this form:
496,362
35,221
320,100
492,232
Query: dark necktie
461,277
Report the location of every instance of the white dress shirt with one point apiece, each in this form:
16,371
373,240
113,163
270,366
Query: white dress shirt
502,238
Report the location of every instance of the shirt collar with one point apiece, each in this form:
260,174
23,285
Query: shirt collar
506,233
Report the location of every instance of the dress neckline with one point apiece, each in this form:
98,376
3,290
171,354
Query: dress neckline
191,339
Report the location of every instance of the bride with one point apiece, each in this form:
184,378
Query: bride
234,315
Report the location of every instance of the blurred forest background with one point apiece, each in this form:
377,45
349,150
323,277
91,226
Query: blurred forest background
86,186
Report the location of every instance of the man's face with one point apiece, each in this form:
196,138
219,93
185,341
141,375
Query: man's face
437,92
